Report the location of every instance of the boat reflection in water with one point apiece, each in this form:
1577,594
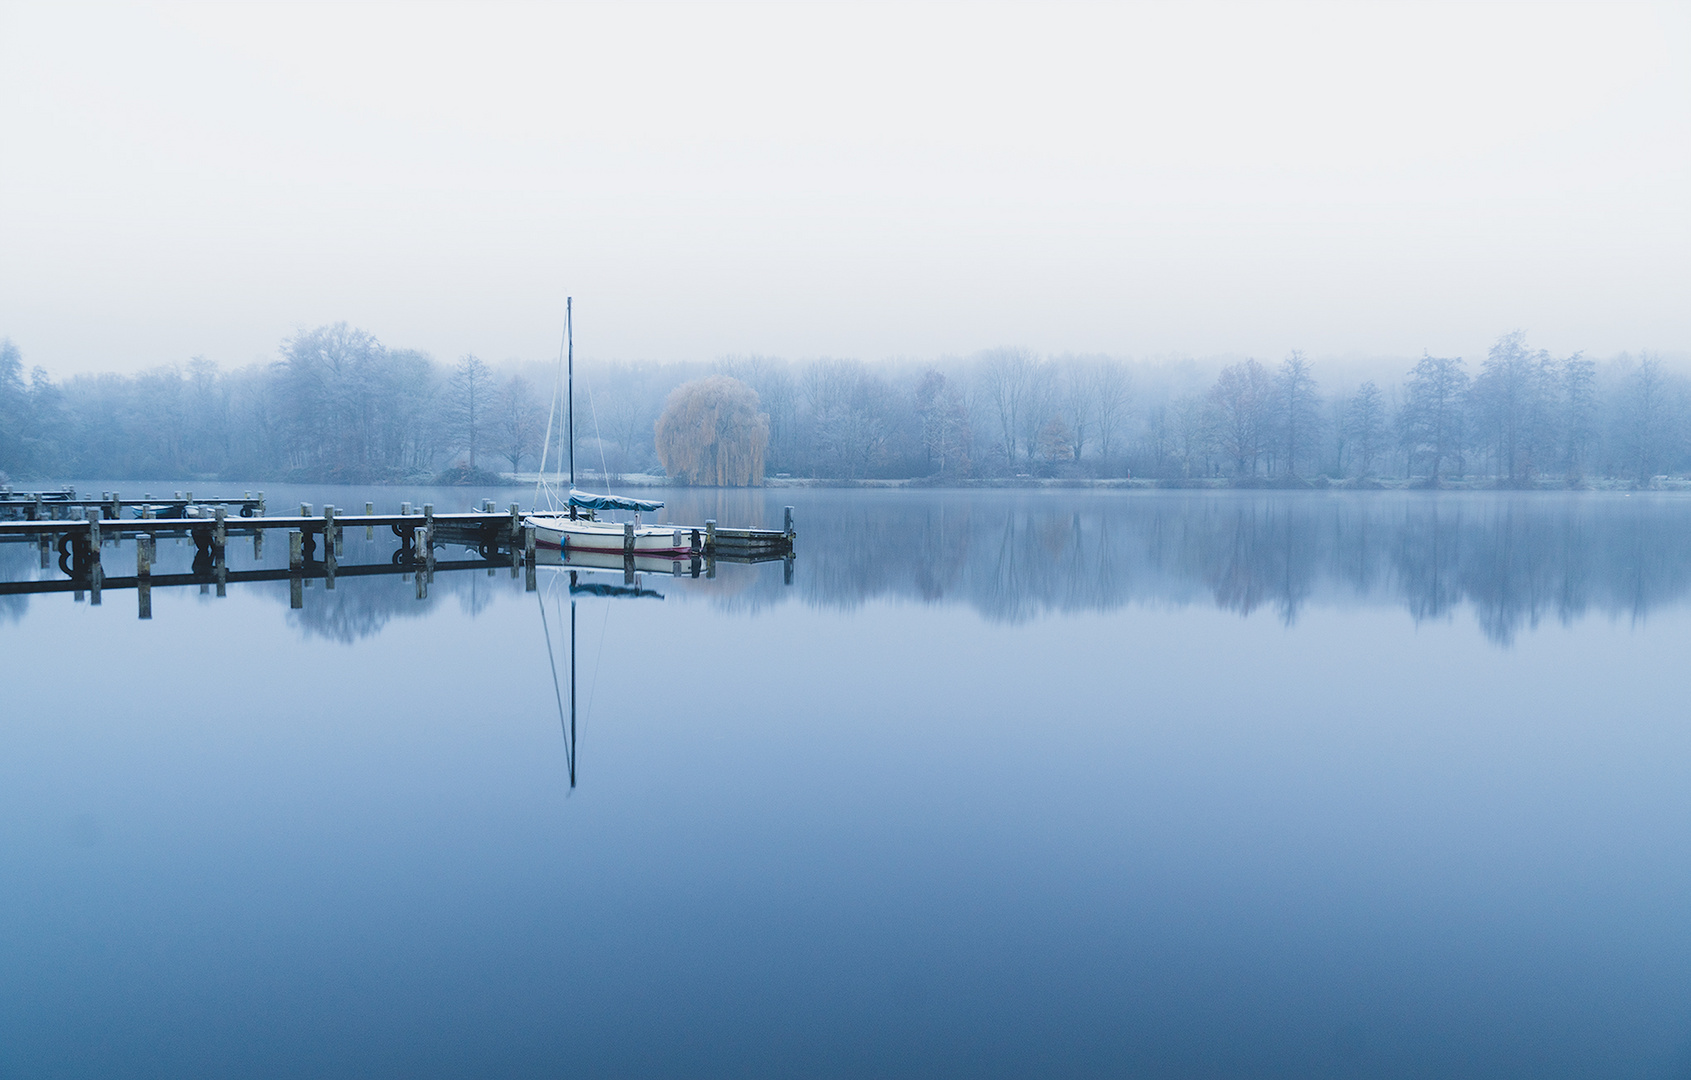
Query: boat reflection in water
578,559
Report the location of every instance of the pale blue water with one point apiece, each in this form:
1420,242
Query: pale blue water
1003,784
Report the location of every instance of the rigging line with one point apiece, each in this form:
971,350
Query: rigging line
546,446
591,694
551,658
604,473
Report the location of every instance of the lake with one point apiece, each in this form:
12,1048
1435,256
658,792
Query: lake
1003,783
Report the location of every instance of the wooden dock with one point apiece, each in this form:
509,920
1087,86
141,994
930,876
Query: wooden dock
62,504
499,537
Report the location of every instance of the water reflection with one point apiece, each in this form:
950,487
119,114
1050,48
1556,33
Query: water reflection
1513,559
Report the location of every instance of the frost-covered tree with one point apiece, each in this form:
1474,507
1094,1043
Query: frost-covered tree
712,432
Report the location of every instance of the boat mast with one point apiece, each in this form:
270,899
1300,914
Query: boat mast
569,422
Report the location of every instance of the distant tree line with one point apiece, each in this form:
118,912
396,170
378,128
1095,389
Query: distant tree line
336,404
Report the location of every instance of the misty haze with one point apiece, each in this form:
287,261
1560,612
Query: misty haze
845,540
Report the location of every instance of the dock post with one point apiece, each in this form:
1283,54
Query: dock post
304,509
143,577
787,569
329,545
219,533
710,534
95,572
296,570
628,539
369,530
404,509
260,504
787,525
257,544
46,550
117,506
516,525
528,558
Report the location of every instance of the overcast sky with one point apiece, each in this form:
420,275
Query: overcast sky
846,181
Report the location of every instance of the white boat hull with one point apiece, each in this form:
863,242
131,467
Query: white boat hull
607,538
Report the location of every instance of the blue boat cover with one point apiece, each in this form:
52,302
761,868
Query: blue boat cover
587,501
594,588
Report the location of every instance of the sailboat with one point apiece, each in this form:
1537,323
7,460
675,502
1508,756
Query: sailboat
580,530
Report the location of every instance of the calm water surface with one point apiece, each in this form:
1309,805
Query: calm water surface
1003,784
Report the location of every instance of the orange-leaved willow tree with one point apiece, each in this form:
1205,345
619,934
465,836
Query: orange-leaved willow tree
712,433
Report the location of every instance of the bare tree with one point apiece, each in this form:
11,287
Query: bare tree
1240,405
1193,434
521,420
1579,413
1512,407
1365,427
1078,404
1007,380
1432,423
469,404
1297,409
1112,396
1645,428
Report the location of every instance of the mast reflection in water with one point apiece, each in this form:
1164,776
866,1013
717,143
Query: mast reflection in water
577,587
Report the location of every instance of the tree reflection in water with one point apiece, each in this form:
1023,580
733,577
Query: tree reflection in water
1514,558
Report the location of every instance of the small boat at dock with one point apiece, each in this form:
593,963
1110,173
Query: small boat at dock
587,535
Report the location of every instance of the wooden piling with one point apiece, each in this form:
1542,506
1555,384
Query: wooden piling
528,558
144,598
143,558
369,530
787,524
710,534
219,532
628,539
94,572
329,544
296,551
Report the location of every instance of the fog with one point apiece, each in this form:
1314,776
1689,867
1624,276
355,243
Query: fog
818,181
